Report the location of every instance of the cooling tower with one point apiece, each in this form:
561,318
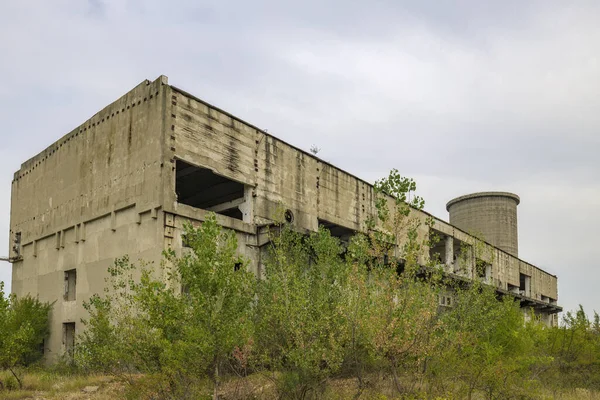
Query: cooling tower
489,215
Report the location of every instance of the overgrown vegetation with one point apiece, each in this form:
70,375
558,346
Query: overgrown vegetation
23,327
365,311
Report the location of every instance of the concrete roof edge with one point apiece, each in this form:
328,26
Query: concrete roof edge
162,78
188,94
482,194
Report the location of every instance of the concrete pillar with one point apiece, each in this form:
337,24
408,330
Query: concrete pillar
449,251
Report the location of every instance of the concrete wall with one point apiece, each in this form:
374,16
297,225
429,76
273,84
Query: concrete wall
280,175
90,197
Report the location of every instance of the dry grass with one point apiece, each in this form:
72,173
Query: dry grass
53,386
43,385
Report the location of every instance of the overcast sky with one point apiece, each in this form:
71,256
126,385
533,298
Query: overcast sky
463,96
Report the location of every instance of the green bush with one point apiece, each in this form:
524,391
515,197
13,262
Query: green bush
24,324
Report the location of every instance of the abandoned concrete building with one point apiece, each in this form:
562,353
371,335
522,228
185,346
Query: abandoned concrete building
126,180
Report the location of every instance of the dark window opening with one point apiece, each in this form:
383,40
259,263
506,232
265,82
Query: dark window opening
521,281
338,231
201,188
481,268
69,339
524,284
70,285
342,233
17,244
400,266
443,248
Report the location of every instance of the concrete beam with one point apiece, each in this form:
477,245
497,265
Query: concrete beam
228,205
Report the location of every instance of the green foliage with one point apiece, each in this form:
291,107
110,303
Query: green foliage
484,344
574,348
149,325
301,327
24,324
365,308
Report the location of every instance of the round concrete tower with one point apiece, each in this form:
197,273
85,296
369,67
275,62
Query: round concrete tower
489,215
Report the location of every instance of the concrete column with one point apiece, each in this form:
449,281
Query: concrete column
449,251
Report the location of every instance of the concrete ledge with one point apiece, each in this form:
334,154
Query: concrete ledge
509,195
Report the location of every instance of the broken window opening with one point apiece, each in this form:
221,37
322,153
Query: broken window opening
513,288
483,270
69,339
338,231
525,285
201,188
17,244
70,285
441,250
462,258
342,233
400,266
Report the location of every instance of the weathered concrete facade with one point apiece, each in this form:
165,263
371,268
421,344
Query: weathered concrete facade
126,180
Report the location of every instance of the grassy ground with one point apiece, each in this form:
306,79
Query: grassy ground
53,386
42,385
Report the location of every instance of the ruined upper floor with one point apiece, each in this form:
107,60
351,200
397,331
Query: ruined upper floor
160,148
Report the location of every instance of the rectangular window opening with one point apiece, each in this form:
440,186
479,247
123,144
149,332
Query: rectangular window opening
525,285
445,300
437,250
17,244
69,338
70,285
483,270
443,248
461,258
338,231
201,188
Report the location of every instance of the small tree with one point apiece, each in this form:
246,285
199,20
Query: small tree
179,329
218,292
404,298
575,350
24,324
484,344
301,328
